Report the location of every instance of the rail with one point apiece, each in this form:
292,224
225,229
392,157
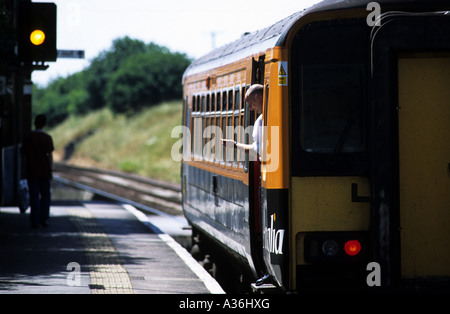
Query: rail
162,196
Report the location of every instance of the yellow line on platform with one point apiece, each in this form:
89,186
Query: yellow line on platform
108,276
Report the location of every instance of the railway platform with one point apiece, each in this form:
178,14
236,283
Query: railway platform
94,247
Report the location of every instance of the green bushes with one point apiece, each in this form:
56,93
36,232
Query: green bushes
139,144
128,77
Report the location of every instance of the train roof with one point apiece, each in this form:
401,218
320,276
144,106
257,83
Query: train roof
275,35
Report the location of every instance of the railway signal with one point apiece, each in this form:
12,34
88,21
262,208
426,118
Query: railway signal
37,32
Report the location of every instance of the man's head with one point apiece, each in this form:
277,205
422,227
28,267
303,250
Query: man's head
40,121
254,97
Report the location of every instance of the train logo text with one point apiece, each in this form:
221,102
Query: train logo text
273,239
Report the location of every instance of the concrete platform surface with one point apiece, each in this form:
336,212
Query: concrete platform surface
94,247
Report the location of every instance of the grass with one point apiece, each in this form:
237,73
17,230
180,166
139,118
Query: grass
138,144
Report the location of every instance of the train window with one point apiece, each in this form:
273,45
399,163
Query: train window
194,104
224,128
211,133
224,123
236,137
196,126
218,121
207,134
203,104
218,102
237,130
227,123
230,135
329,105
230,100
196,136
243,98
332,97
242,137
247,123
237,98
224,101
202,139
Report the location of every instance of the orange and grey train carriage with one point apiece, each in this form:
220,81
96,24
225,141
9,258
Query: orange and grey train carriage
352,184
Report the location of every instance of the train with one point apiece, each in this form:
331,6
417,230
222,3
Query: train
351,189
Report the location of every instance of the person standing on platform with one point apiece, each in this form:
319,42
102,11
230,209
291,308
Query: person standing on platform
38,148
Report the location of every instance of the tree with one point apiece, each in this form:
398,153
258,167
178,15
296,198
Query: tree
105,64
127,77
62,97
146,79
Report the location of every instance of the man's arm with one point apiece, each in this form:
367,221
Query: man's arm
235,144
248,148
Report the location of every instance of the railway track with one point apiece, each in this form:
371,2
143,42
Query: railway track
163,196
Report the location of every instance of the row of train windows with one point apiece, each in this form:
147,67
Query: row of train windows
208,130
219,100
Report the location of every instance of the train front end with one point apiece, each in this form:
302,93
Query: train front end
369,133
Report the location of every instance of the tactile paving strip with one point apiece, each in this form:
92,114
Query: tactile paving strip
108,276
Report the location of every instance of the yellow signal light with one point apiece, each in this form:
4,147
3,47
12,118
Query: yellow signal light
37,37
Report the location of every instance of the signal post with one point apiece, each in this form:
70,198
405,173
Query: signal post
28,38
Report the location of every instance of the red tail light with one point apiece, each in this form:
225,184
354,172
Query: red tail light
352,247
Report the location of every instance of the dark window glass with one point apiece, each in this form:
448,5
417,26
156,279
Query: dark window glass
331,108
329,98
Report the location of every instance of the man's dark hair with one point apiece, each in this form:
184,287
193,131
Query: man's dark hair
40,121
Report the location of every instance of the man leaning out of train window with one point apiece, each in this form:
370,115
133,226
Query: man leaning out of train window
254,98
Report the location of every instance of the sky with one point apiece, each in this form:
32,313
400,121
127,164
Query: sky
193,27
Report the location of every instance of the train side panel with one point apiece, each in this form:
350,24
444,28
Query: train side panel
215,178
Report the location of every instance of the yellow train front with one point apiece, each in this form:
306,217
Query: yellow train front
352,189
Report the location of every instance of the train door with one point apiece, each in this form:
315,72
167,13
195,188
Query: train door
424,165
254,171
410,150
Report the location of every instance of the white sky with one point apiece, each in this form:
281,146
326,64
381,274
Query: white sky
181,25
